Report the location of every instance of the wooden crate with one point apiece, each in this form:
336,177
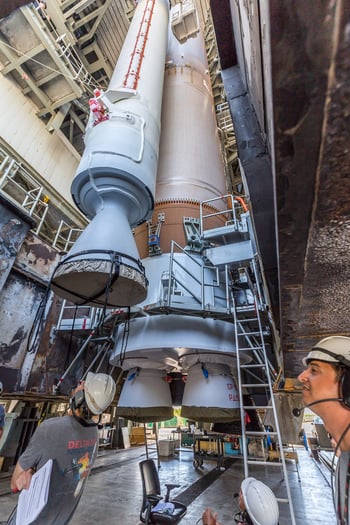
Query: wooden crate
137,436
274,455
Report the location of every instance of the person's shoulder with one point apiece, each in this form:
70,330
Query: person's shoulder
343,460
54,421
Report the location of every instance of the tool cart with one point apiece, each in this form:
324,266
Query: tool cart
208,447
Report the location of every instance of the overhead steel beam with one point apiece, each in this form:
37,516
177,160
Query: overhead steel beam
24,57
53,51
57,119
10,55
78,7
98,13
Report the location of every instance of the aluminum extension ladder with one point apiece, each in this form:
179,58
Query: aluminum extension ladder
249,338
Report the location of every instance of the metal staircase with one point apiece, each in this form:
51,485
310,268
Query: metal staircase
257,378
96,324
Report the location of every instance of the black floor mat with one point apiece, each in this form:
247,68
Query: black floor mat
191,493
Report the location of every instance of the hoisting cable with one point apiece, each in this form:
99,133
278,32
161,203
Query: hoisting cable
34,331
125,337
71,337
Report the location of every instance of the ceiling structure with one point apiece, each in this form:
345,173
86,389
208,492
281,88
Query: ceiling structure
287,84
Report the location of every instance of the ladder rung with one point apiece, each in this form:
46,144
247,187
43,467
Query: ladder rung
248,320
245,308
261,433
253,385
250,348
247,334
257,407
255,365
258,462
283,500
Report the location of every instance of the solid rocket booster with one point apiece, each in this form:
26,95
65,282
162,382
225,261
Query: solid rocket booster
115,180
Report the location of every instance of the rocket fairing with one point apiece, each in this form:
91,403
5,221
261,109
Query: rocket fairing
115,180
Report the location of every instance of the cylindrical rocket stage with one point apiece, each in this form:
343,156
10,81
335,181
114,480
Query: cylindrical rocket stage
115,180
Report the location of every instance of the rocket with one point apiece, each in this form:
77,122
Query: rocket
165,237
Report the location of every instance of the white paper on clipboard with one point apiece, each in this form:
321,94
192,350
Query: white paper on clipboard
32,501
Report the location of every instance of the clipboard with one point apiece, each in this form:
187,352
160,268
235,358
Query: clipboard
32,501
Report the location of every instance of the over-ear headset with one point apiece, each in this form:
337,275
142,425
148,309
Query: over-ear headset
344,382
77,400
344,387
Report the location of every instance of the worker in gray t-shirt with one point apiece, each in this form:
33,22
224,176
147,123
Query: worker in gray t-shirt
71,442
2,414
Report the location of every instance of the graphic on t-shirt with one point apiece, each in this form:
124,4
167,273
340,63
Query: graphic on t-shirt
85,465
81,466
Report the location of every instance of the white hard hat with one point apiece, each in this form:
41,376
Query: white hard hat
99,392
260,502
333,349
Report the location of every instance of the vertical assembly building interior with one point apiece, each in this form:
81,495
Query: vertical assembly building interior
174,211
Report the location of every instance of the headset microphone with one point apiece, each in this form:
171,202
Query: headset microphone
297,411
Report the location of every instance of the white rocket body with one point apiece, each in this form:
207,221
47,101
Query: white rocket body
115,181
185,322
181,337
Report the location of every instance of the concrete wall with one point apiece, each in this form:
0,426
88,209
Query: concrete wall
30,359
248,34
50,154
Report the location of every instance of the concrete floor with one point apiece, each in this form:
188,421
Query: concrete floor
113,492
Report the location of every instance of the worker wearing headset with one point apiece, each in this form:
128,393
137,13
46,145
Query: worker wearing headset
69,444
326,390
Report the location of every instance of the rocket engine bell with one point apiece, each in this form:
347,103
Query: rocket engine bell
210,394
115,181
145,397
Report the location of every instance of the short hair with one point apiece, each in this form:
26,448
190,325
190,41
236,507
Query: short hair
339,369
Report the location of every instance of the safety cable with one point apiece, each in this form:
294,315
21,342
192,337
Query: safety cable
71,337
125,338
32,339
113,276
103,351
